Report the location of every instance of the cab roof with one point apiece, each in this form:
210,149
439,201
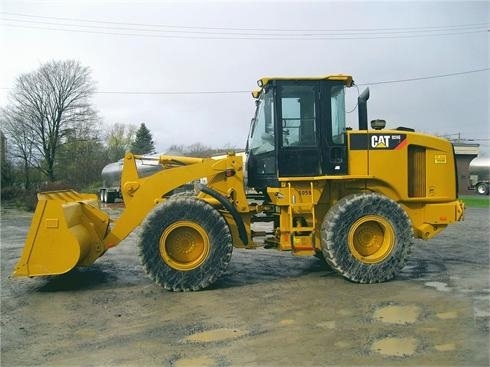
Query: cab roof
262,82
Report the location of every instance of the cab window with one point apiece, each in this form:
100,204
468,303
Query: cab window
298,116
337,107
262,133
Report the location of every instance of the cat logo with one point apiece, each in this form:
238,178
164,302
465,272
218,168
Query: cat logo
380,141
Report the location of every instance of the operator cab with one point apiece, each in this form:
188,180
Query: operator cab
298,130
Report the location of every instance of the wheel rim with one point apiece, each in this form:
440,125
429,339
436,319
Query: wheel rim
371,239
481,189
184,245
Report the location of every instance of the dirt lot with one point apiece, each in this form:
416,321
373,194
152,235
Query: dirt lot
269,309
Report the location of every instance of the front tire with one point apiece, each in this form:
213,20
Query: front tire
366,238
185,244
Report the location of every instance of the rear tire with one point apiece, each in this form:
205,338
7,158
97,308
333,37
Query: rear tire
482,188
185,244
366,238
102,195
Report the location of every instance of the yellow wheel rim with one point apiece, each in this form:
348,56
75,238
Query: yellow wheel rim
371,239
184,245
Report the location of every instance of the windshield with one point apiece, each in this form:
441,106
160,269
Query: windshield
261,138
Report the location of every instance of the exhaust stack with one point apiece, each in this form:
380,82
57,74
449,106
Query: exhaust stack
362,108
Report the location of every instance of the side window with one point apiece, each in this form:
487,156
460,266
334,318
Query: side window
262,133
337,103
298,110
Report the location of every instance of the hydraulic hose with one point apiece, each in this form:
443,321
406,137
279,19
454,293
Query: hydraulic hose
242,232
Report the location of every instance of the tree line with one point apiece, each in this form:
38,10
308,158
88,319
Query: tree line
53,138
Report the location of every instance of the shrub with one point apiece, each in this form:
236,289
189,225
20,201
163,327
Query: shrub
10,193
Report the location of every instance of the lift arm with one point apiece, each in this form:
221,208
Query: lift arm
142,194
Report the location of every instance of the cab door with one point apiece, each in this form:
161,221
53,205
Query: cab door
298,130
310,129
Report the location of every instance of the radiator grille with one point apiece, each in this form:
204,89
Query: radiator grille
416,171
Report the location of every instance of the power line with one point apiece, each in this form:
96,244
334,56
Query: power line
259,37
363,84
223,33
175,93
303,33
248,91
425,77
428,28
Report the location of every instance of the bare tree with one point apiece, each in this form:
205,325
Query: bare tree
119,139
20,140
82,157
176,149
48,103
198,150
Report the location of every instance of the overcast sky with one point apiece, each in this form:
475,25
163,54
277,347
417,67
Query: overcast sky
156,61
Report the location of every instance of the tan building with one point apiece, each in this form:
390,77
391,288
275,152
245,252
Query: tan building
465,153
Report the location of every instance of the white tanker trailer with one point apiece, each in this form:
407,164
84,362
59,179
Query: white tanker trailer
111,177
480,175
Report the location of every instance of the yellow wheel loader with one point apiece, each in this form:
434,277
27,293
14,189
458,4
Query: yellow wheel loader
357,198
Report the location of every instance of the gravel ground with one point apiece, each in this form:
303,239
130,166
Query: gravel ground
269,309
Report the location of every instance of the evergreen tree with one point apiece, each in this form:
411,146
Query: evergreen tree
143,143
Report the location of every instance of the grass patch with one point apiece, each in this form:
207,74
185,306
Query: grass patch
476,201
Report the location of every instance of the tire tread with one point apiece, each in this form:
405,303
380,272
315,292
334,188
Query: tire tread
336,225
185,208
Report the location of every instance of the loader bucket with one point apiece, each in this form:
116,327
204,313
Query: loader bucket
67,230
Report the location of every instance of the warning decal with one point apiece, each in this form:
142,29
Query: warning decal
378,141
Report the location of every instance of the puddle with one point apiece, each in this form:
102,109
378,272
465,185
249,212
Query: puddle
397,314
344,312
342,344
447,315
203,361
395,347
439,286
445,347
216,335
480,312
327,325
